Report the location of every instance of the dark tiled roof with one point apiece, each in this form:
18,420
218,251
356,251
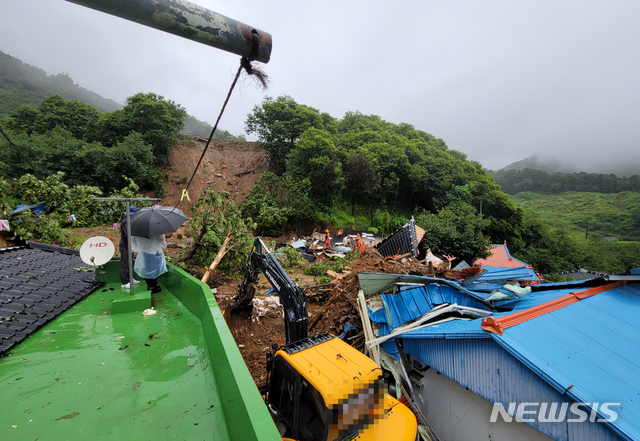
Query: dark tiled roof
37,283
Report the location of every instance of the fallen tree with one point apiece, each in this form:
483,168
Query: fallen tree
216,223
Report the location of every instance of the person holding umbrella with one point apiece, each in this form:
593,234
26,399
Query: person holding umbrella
150,263
148,227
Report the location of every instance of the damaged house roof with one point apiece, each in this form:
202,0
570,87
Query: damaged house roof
403,240
572,342
500,268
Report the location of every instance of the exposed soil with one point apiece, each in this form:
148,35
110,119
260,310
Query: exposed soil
230,166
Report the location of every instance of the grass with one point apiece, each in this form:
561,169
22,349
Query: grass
606,214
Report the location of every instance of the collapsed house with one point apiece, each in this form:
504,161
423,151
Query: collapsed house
494,357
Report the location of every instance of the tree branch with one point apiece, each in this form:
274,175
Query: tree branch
221,252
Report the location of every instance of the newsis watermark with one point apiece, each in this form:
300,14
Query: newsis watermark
555,412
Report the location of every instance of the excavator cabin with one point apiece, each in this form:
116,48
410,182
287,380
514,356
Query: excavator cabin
321,388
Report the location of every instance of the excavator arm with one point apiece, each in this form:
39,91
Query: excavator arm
291,296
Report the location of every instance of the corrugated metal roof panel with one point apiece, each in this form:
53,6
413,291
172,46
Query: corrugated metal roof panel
402,241
485,368
590,349
500,257
372,283
411,303
453,329
390,345
500,273
533,299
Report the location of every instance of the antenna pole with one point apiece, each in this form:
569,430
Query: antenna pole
586,233
130,256
128,203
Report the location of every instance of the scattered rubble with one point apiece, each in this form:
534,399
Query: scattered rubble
332,307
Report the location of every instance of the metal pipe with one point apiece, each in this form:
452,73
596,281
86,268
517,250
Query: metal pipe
129,255
185,19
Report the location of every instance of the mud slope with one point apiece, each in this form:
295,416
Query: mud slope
230,166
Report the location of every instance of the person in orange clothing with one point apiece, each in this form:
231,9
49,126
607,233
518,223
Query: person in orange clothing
363,245
327,242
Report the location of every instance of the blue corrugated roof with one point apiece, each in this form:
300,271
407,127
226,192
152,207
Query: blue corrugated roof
588,351
501,273
372,283
447,330
411,303
495,277
453,329
390,345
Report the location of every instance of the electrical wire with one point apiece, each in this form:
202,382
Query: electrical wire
244,64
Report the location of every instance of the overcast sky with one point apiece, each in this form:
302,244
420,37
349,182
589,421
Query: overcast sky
497,80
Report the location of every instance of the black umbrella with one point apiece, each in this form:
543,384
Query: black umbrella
156,220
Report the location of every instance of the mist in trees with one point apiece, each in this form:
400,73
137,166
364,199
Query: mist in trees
516,181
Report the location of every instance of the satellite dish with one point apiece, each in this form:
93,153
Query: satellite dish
97,251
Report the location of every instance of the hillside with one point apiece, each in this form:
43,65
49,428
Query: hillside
583,163
607,215
21,83
230,166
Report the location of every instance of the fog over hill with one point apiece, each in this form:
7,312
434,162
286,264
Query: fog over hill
619,166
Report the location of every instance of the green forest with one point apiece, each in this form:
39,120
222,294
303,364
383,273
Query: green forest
358,172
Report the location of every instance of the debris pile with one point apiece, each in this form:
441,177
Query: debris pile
262,306
340,304
323,245
332,307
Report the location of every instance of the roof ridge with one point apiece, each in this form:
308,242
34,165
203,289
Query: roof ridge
498,325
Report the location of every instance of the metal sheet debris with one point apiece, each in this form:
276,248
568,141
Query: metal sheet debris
402,241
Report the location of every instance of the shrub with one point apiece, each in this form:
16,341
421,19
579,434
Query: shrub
289,257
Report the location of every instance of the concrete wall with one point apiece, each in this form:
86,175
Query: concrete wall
457,414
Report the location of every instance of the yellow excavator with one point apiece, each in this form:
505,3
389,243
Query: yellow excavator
319,387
